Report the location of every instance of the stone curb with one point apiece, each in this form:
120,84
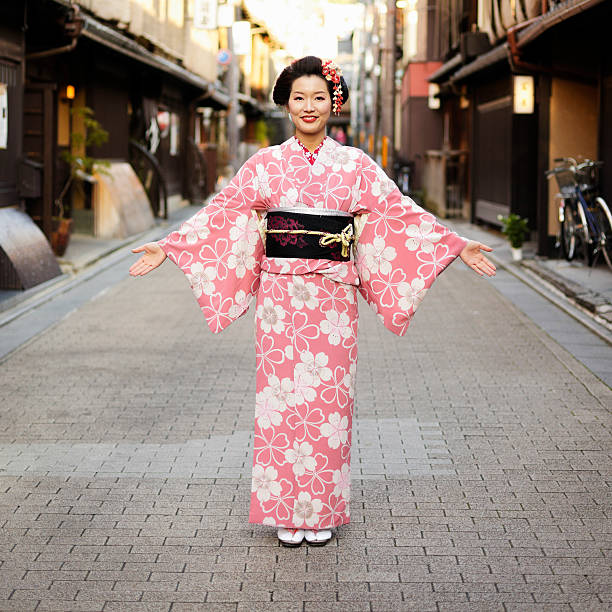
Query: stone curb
19,305
590,300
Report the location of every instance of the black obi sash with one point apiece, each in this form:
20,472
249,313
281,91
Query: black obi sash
330,229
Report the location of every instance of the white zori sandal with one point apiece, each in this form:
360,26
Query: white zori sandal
320,537
290,537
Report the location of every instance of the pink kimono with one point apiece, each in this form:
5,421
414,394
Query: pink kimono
306,313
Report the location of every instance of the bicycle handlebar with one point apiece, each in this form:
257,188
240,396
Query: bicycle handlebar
571,160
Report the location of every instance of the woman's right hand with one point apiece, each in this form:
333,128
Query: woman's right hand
153,257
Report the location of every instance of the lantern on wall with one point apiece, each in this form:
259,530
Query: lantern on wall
524,94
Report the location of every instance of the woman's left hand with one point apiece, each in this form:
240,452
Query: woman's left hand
472,256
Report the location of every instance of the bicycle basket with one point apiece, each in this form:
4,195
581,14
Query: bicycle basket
566,180
587,176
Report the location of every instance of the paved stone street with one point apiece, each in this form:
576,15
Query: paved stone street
481,465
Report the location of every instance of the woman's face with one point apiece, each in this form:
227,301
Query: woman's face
309,106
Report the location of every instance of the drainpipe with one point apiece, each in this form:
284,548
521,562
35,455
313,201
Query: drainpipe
73,27
514,55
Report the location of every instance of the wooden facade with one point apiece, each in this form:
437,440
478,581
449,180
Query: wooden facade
509,152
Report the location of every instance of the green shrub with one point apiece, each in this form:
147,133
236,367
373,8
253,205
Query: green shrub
515,228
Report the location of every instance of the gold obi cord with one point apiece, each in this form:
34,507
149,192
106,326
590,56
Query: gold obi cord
345,237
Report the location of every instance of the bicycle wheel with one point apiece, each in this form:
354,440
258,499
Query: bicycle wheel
568,231
604,221
583,236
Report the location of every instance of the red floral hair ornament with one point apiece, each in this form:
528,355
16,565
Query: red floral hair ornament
332,72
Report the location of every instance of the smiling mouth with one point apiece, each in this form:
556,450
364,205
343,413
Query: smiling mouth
309,118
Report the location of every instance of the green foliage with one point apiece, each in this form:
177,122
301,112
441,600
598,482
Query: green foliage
261,131
515,228
94,136
82,167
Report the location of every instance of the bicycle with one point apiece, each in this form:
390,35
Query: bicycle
585,218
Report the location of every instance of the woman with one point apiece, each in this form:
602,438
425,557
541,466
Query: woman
282,230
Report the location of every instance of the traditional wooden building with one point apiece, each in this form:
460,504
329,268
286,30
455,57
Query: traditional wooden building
150,78
521,84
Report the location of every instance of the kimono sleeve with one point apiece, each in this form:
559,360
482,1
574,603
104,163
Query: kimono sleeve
220,249
401,248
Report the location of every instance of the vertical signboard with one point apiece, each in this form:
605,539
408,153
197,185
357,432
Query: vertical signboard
205,14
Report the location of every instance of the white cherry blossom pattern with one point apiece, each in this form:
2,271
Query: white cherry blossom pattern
411,294
217,255
268,408
301,332
283,390
245,229
320,478
378,256
337,297
241,258
339,390
241,304
216,310
279,508
274,285
434,261
335,429
342,482
381,185
261,182
300,457
290,199
306,311
270,447
306,510
201,279
303,294
385,287
422,236
344,159
314,367
272,316
336,326
334,512
263,482
268,354
303,389
304,422
196,228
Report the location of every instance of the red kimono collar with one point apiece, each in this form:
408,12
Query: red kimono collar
311,156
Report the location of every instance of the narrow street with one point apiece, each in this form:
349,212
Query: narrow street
480,468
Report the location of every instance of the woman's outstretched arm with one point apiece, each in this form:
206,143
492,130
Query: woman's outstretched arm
153,257
471,256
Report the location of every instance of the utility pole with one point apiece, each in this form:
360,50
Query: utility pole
360,136
375,81
233,140
388,91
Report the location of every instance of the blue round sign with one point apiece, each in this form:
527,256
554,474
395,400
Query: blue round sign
224,57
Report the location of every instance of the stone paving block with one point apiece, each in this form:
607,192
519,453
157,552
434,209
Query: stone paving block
19,605
270,607
73,606
140,606
91,591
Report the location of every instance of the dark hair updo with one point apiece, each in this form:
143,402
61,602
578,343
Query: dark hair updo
309,65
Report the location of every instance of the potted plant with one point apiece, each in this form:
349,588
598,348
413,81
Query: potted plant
82,169
516,229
